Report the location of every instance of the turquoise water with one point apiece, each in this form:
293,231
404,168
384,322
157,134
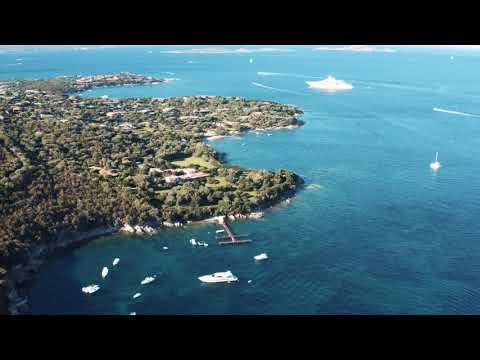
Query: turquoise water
382,234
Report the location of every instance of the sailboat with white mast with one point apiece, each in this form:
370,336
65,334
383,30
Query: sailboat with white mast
435,165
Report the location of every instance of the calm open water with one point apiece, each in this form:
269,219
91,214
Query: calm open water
381,234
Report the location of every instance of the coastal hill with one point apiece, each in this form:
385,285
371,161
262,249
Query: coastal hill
71,165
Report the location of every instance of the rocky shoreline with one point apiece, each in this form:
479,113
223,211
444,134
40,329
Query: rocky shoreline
54,173
13,285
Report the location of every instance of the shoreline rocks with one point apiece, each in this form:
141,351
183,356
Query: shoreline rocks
138,229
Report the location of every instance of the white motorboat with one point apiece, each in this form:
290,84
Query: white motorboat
251,61
219,231
90,289
165,248
217,277
133,313
435,165
262,256
202,243
116,261
104,272
193,242
137,295
148,280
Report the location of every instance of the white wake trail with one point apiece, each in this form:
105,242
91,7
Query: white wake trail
276,89
454,112
264,73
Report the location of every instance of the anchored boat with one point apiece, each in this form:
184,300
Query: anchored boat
90,289
148,280
217,277
262,256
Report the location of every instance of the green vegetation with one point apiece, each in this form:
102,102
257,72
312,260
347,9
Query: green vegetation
70,164
194,160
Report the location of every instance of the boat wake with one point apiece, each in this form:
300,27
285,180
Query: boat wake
263,73
276,89
454,112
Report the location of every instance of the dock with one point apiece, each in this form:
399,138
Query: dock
233,239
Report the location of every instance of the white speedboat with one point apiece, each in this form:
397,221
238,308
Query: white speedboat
435,165
104,272
137,295
148,280
165,248
133,313
90,289
217,277
193,242
116,261
262,256
251,61
219,231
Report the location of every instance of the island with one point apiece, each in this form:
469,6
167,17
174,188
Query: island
75,167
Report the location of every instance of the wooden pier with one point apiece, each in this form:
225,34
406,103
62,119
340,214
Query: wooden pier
233,239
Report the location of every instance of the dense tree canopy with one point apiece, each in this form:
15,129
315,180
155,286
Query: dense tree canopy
70,163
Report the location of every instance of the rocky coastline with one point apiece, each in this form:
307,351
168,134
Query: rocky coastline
14,284
72,163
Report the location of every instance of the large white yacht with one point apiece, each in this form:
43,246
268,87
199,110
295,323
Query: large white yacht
330,84
225,276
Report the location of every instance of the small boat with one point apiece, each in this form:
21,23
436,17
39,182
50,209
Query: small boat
269,134
249,281
435,165
90,289
251,61
165,248
202,243
137,295
193,242
262,256
104,272
133,313
217,277
148,280
219,231
116,261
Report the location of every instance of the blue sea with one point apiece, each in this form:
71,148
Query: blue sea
377,233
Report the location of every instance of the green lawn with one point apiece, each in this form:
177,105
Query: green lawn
193,160
222,182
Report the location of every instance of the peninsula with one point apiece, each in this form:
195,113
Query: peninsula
74,167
